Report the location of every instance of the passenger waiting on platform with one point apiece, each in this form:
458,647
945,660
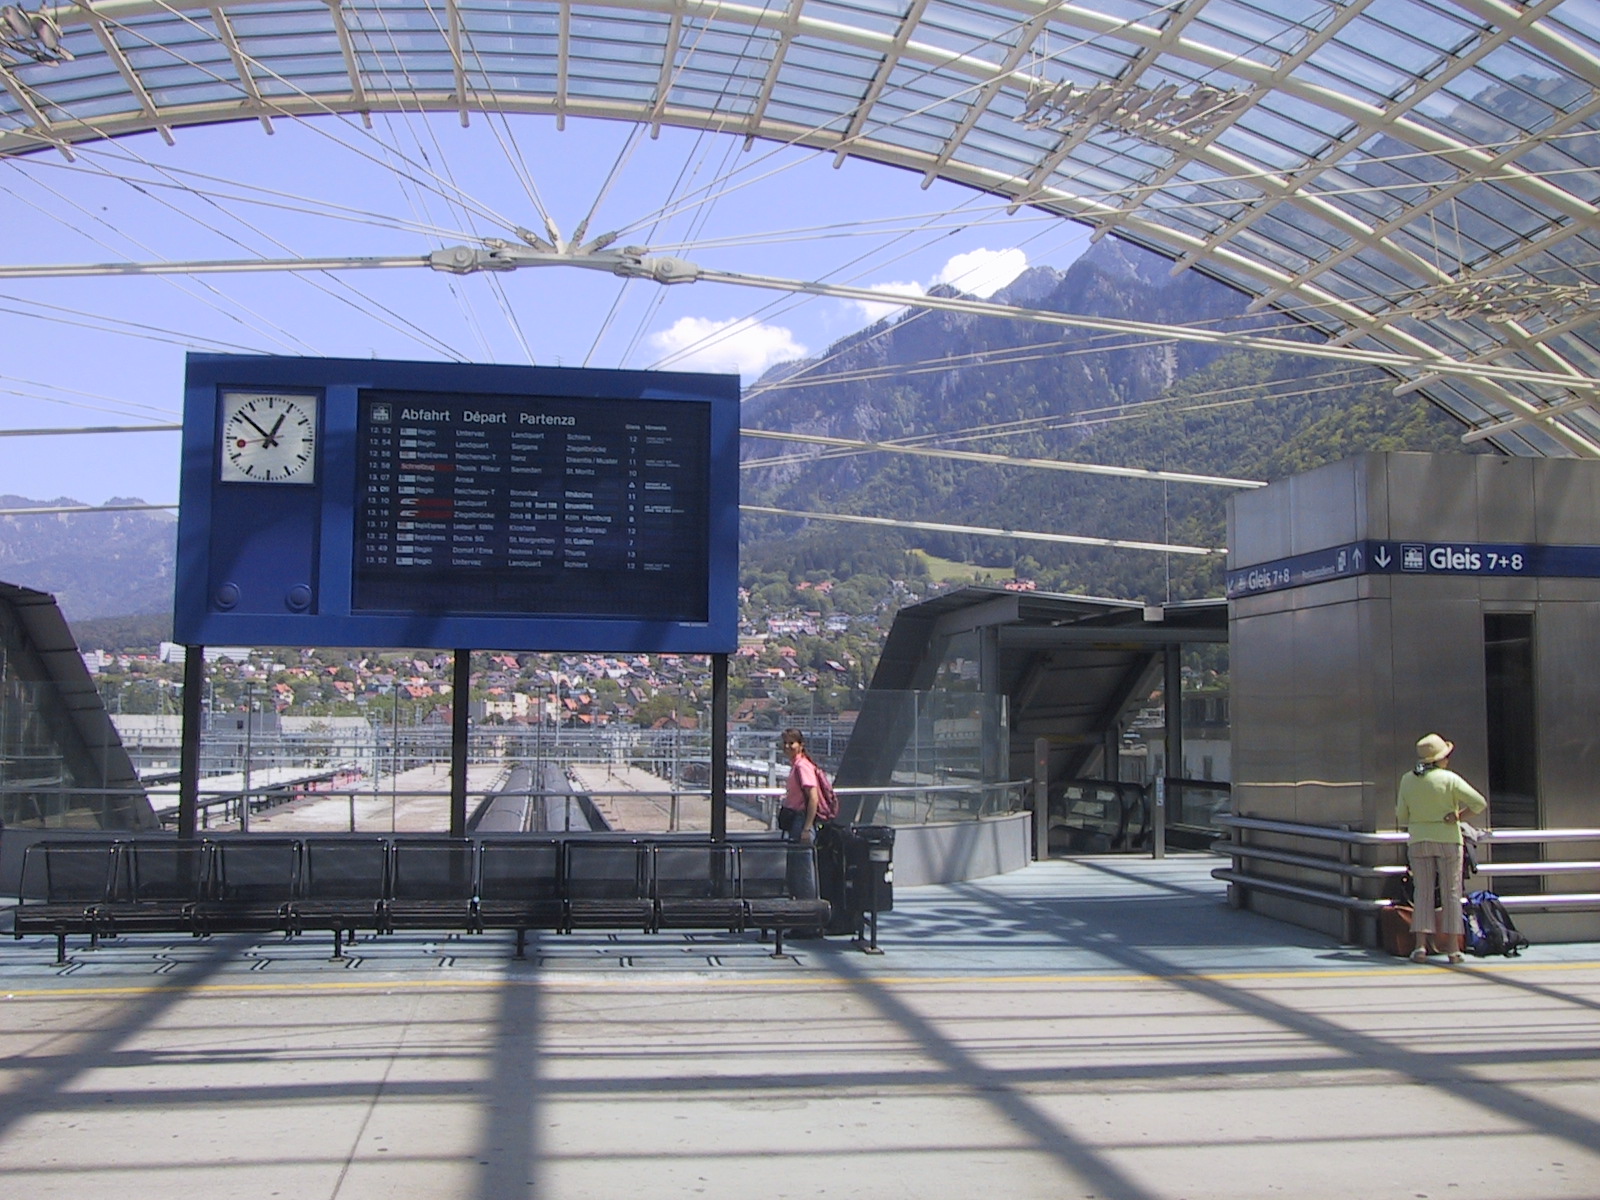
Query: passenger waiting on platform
803,793
1431,802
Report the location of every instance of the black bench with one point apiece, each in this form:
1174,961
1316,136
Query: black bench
609,886
778,886
347,884
520,887
75,879
344,887
432,885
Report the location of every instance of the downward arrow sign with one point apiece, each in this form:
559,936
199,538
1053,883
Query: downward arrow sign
1382,558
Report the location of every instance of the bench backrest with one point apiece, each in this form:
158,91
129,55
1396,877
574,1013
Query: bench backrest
519,870
695,871
608,871
251,869
433,869
68,872
344,868
777,870
164,871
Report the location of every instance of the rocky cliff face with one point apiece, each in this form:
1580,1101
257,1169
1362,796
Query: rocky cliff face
96,564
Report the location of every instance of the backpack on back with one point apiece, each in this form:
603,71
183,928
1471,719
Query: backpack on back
1489,929
827,802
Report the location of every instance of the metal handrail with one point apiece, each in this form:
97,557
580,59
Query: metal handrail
1384,837
1347,870
1325,832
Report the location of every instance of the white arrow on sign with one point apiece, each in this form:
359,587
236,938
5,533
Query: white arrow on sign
1357,562
1382,557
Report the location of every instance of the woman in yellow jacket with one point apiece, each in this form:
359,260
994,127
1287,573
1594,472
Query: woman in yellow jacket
1431,803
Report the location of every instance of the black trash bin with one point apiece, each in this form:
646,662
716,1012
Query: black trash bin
855,870
872,866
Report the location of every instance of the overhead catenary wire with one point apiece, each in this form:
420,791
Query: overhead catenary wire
336,288
1056,422
1012,460
1071,539
265,70
417,196
261,325
39,310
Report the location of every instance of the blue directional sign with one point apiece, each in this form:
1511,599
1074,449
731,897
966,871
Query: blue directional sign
1375,557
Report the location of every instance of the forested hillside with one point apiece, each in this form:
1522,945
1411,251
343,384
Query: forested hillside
96,564
1032,391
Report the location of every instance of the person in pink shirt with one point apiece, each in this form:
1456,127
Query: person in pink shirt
803,793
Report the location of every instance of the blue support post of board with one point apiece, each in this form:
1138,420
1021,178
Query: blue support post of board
719,747
194,683
460,698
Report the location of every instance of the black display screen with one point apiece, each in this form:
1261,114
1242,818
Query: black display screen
527,505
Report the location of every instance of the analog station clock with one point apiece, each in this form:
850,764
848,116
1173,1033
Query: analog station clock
268,437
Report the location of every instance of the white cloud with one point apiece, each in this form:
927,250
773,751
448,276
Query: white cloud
872,310
982,273
979,273
741,345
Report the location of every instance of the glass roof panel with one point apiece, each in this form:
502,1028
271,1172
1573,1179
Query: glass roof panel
878,18
1343,69
1578,22
1394,49
976,30
1444,26
1383,53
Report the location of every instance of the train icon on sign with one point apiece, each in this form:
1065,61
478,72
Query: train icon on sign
1413,557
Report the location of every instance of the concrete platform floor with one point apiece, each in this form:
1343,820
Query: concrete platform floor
1101,1028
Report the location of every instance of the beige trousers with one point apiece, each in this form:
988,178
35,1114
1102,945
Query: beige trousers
1435,862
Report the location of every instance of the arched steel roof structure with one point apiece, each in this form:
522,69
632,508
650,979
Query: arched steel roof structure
1415,176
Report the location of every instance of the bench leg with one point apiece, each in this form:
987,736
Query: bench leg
522,943
61,948
338,944
777,943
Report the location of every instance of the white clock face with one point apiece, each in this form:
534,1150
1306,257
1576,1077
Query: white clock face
269,437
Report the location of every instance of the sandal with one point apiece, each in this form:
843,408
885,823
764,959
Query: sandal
1419,955
1455,960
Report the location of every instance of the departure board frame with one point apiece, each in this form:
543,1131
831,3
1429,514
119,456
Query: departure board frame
451,506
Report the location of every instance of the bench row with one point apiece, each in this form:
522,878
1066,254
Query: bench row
345,884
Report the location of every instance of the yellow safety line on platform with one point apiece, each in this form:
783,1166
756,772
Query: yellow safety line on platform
1403,972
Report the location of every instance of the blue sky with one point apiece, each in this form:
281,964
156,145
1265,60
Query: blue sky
98,351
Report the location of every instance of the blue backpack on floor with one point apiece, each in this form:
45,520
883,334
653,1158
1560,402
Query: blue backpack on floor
1488,927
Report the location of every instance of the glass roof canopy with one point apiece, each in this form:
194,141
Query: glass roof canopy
1415,176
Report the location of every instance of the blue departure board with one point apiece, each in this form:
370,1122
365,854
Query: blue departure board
451,506
548,505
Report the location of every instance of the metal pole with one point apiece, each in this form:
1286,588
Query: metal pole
458,742
1158,820
394,758
1041,798
194,675
1172,702
719,747
249,753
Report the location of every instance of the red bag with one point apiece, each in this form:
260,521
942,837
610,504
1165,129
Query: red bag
827,802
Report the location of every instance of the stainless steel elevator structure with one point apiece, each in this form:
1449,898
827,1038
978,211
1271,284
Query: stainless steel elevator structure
1397,594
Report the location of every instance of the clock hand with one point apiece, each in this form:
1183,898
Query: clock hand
272,438
269,440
